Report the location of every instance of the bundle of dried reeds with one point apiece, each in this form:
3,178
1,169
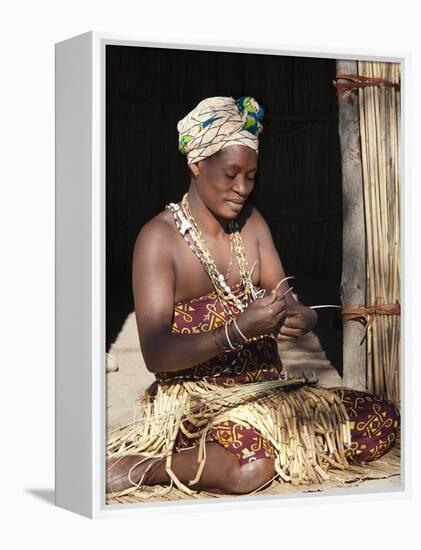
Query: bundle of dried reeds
380,128
308,426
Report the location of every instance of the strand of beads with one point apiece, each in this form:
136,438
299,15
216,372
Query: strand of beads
217,278
183,225
231,304
249,292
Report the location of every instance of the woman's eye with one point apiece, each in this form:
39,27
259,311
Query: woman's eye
233,176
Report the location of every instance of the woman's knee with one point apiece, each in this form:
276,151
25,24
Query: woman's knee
250,476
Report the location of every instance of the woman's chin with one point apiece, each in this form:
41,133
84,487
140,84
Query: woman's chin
232,209
228,211
230,215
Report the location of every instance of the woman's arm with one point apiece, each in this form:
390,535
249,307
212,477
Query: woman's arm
154,297
300,318
153,280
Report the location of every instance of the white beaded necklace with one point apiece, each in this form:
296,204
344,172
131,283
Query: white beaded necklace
188,228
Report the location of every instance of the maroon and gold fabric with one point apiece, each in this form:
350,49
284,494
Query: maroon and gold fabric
257,361
374,420
375,424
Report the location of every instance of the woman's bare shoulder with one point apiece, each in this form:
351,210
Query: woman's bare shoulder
251,220
160,231
256,217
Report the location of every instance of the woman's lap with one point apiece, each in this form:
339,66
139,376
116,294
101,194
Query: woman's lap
374,423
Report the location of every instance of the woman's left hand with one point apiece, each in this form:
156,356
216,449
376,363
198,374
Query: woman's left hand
299,320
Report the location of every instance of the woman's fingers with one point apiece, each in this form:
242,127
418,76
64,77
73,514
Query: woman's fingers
291,332
271,302
270,299
283,338
293,321
277,311
275,294
281,312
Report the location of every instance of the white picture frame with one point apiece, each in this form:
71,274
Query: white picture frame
80,273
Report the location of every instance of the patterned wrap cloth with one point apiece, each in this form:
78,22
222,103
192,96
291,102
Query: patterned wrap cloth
218,122
374,420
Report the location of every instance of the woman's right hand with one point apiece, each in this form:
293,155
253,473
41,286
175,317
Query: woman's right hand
263,315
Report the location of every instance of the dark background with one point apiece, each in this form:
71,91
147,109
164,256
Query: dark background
298,186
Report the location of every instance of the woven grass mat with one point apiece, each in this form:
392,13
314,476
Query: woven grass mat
386,467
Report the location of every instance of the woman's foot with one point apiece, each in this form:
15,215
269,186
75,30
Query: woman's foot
119,467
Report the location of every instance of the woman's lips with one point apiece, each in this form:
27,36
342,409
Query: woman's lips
237,205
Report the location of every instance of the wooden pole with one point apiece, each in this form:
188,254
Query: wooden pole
353,283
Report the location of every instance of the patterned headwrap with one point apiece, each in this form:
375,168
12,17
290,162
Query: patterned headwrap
218,122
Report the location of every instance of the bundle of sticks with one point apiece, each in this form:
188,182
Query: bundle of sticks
380,138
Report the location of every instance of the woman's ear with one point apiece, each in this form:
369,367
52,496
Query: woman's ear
194,169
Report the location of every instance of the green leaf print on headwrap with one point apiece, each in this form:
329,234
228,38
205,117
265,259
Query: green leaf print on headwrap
254,113
183,142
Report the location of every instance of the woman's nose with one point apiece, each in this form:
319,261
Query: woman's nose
243,186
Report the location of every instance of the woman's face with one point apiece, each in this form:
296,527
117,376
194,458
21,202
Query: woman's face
226,179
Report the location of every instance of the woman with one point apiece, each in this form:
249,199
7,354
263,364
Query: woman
210,307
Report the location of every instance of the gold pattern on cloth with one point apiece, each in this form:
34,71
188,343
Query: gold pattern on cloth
374,424
248,445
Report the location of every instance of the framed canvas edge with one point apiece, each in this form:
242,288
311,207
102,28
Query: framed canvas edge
73,277
98,507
